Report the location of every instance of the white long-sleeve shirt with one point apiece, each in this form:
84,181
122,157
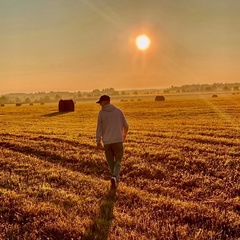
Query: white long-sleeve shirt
111,125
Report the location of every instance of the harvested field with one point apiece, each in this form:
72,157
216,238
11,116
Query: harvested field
180,176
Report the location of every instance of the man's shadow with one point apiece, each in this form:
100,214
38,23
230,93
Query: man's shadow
102,224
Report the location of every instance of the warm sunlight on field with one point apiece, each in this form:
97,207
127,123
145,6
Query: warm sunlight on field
180,177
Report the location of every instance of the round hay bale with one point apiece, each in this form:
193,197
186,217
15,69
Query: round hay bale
159,98
18,104
66,105
214,95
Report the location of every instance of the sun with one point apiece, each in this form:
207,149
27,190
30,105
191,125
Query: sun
143,42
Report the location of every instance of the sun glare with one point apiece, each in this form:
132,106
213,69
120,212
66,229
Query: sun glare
143,42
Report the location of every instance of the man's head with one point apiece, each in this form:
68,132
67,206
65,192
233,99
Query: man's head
103,100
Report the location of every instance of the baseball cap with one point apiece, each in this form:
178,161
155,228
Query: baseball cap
103,98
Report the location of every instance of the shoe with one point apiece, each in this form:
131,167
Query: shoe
113,182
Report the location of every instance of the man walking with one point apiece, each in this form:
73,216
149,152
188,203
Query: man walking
112,129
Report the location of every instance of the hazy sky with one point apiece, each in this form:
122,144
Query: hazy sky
76,45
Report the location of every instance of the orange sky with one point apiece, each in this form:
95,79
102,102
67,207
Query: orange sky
84,45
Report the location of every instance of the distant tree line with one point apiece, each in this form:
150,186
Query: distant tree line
43,97
47,97
40,97
204,88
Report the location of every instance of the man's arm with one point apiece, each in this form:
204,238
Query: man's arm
125,127
99,132
125,134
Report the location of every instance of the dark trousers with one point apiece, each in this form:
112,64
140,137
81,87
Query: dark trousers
114,155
